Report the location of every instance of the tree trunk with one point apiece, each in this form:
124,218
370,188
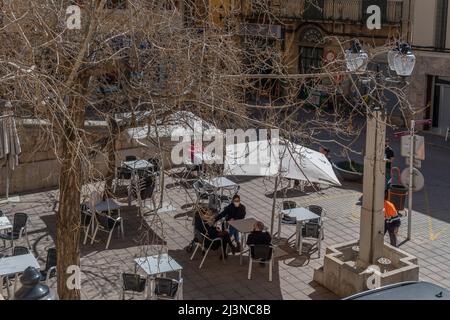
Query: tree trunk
68,218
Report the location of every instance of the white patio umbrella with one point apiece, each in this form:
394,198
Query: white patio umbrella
279,160
9,145
286,160
177,124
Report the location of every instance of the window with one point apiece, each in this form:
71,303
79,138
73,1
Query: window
116,4
310,59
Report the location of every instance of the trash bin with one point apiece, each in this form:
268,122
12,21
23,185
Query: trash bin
397,195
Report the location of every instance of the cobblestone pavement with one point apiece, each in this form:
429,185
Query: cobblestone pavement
292,278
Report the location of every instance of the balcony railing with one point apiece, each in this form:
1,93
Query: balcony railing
336,10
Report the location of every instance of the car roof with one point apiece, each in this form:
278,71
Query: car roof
405,291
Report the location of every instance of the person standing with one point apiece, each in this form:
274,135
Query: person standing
391,222
389,158
234,211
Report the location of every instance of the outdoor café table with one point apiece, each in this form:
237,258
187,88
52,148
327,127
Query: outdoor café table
107,205
220,183
244,226
300,215
138,164
5,224
15,265
135,166
156,265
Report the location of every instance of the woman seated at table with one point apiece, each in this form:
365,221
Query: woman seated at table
204,222
234,211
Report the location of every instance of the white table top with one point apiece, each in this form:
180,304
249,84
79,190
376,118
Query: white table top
220,182
243,225
300,214
165,207
200,157
5,223
138,164
17,264
157,264
107,205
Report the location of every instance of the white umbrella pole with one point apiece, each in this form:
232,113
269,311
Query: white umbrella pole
7,178
274,205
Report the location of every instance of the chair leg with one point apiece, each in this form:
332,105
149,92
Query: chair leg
86,233
121,230
223,251
204,257
250,262
93,236
195,250
270,269
109,239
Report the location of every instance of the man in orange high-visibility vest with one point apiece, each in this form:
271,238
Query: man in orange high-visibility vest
391,221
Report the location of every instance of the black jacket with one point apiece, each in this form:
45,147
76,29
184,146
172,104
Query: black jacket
231,212
259,237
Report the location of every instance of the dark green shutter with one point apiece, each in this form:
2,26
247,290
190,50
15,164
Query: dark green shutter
381,3
312,12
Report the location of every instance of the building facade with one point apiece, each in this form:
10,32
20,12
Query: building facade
430,82
309,33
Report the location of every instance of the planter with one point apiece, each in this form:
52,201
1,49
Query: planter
349,170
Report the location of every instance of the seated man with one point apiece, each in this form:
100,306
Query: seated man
391,222
234,211
259,237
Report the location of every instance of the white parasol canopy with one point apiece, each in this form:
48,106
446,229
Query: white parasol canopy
182,123
286,160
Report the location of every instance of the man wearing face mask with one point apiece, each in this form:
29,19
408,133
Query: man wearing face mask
234,211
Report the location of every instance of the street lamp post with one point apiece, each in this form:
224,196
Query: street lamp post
402,61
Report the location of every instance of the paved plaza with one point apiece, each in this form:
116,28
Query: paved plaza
293,274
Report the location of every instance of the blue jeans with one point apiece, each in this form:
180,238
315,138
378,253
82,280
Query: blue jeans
233,232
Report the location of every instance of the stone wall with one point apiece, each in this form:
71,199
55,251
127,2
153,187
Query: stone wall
39,169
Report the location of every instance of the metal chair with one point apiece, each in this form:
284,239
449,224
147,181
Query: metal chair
106,223
202,191
168,289
312,230
20,250
103,222
133,283
86,221
317,210
285,205
50,266
261,254
19,230
205,242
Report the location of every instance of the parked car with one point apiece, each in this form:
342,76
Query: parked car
414,290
